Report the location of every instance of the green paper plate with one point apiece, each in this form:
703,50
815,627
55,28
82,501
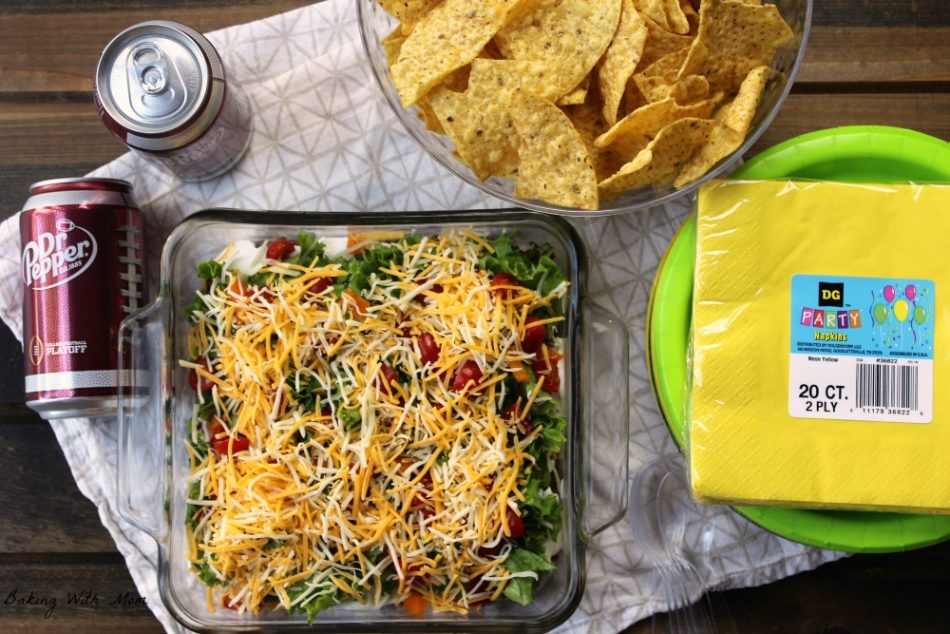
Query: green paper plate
852,154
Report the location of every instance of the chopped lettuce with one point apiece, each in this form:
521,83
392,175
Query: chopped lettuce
206,574
360,268
547,414
313,604
312,250
534,267
521,589
210,270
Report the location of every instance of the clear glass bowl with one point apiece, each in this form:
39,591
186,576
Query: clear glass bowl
153,461
375,24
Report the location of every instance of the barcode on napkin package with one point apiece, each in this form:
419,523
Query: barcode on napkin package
886,385
861,349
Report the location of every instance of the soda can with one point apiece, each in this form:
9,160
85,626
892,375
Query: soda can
83,271
160,87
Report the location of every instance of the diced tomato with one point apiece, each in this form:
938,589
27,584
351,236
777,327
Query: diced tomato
493,551
468,373
552,380
503,285
194,381
413,572
240,443
428,348
416,604
280,249
421,504
321,284
266,295
546,365
515,525
220,441
355,301
477,585
512,412
389,375
533,335
229,604
421,297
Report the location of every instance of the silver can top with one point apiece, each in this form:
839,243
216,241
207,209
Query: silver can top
156,76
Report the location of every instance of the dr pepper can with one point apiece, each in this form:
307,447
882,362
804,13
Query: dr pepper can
161,89
83,270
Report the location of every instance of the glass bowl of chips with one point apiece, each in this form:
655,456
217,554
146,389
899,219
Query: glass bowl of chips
580,106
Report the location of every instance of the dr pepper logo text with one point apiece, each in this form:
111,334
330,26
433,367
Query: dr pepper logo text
54,259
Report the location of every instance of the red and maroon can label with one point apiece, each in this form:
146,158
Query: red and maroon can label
82,268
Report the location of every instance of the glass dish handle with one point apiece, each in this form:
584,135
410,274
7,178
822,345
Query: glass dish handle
141,445
605,362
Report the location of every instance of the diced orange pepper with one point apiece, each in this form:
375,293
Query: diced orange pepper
356,301
519,372
353,239
415,604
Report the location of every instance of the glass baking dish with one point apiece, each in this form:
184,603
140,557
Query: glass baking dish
153,421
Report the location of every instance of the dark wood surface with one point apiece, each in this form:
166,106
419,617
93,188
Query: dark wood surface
869,61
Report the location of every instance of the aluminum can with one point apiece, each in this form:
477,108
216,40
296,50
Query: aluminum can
160,87
83,271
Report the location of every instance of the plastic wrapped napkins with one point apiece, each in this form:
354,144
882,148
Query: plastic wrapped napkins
821,346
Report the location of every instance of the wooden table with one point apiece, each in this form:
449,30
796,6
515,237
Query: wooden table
874,61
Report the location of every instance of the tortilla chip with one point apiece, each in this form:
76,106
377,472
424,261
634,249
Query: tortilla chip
692,16
635,131
408,12
687,90
661,42
731,127
652,9
478,120
392,43
690,89
620,59
675,17
588,120
428,116
491,49
659,162
555,166
448,37
667,66
571,35
632,98
576,96
742,110
734,37
457,80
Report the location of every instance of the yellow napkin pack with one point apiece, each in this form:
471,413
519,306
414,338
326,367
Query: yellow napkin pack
821,346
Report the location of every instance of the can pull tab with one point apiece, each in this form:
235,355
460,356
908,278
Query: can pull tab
154,90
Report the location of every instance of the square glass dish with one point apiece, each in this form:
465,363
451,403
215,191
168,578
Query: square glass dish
155,412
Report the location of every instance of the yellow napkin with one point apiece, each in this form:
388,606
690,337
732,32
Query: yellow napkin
821,346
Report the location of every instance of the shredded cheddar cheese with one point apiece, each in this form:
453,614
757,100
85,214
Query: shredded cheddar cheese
334,458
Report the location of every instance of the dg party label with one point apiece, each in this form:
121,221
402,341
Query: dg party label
861,348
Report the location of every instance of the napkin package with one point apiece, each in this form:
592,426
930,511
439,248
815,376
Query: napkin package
821,346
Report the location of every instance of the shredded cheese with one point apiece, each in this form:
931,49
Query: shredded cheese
331,475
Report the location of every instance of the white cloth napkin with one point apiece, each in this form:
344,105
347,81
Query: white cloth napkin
325,140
